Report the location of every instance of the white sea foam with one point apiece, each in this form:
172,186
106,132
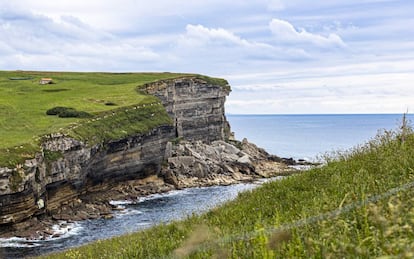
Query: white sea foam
64,229
18,242
61,230
131,211
162,195
123,202
128,212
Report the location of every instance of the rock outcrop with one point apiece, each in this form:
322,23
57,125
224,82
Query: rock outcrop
200,164
196,107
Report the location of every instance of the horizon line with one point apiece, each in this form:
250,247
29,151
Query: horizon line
310,114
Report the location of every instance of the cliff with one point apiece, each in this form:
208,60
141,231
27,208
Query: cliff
76,169
69,171
68,167
195,106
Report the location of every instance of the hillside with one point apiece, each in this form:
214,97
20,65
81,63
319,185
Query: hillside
24,103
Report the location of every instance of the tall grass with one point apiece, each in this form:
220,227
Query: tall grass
343,209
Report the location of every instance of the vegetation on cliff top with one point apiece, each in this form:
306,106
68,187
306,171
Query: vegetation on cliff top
359,205
87,99
215,81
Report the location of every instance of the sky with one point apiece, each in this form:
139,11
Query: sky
279,56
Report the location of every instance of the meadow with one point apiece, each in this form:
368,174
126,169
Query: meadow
24,103
358,205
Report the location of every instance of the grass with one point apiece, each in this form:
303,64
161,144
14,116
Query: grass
24,102
215,81
316,214
119,123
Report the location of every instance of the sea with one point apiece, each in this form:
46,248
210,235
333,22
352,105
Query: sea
297,136
311,137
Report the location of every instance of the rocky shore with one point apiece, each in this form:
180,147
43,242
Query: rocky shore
189,164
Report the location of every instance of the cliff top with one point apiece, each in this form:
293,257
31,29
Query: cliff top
26,97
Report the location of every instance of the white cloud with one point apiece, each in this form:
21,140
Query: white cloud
369,91
198,34
318,57
34,41
230,51
285,32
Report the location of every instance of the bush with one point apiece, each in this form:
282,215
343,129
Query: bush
56,110
66,112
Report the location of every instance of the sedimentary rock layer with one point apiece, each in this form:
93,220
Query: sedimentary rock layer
196,107
78,169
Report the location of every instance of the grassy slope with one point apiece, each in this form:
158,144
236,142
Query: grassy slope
249,227
23,106
23,103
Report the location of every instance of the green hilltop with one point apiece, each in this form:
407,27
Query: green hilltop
90,102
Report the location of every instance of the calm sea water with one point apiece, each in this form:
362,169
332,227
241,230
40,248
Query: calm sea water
308,136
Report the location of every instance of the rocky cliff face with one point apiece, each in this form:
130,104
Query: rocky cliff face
196,107
68,168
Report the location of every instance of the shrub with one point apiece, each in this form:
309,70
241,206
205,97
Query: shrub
69,113
56,110
66,112
110,104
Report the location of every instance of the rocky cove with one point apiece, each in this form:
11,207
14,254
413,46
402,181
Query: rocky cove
135,215
73,180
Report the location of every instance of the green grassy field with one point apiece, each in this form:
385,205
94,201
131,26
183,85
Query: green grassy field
24,102
356,206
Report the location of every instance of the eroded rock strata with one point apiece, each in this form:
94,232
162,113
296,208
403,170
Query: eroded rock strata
195,106
71,180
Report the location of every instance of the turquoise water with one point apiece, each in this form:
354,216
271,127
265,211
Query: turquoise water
309,136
